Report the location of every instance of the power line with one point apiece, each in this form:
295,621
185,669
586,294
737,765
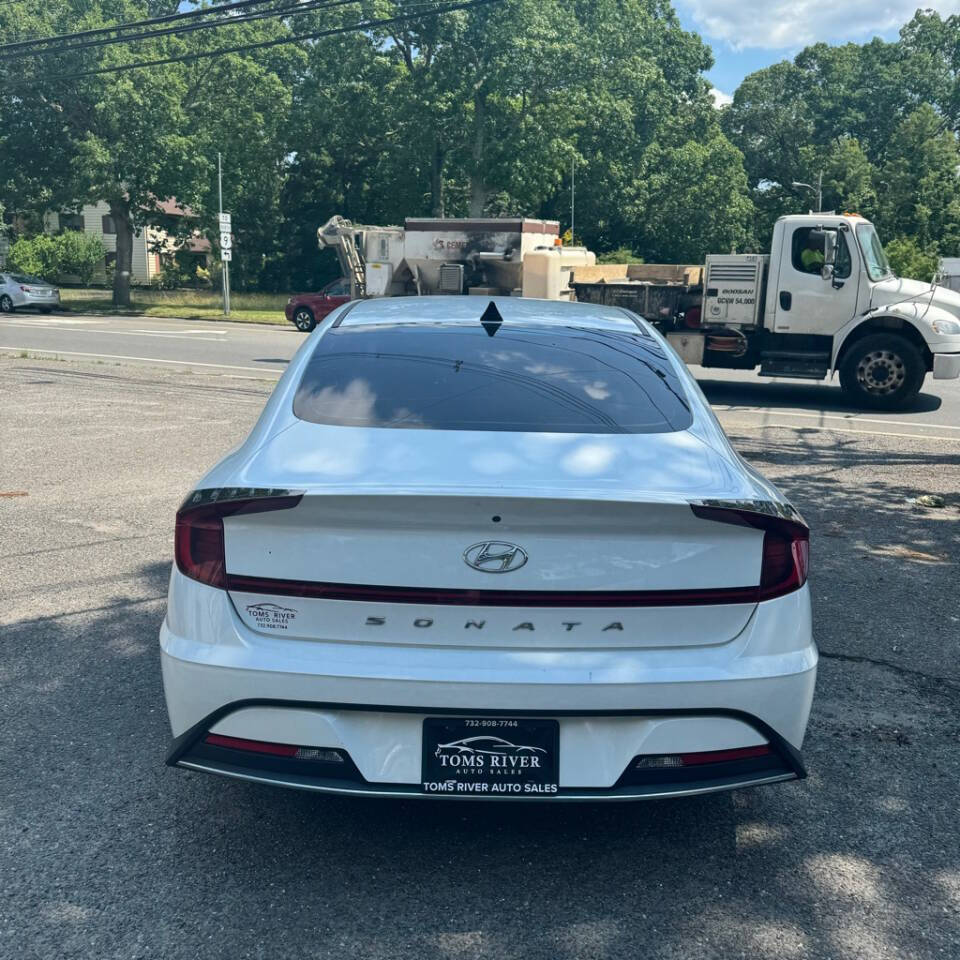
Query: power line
97,31
264,44
300,7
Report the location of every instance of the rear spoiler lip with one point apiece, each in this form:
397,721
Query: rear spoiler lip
780,509
764,506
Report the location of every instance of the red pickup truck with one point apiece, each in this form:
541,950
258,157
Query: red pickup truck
306,310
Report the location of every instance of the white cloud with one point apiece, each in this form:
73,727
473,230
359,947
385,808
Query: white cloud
791,24
720,99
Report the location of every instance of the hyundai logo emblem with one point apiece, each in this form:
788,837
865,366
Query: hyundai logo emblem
495,556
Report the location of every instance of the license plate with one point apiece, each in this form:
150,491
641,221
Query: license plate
488,757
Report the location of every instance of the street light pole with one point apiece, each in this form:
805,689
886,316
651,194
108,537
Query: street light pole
818,190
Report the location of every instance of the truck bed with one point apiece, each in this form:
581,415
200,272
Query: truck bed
658,292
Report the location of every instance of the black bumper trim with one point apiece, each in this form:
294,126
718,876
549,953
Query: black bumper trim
185,743
410,792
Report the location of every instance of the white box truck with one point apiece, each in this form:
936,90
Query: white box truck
824,301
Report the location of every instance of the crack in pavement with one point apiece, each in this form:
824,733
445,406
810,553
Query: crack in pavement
952,683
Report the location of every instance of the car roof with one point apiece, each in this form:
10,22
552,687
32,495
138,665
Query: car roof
469,309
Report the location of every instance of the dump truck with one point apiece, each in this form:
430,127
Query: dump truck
824,301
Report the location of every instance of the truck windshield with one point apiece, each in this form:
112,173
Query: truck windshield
873,255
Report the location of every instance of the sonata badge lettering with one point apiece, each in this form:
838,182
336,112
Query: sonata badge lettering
495,556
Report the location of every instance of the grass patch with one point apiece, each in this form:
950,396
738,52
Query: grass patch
185,304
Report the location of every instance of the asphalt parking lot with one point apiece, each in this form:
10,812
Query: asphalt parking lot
106,853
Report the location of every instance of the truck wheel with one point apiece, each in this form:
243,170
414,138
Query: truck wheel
883,370
304,320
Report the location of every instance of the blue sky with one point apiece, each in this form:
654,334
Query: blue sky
749,34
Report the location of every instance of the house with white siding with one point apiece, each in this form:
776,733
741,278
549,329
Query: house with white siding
150,244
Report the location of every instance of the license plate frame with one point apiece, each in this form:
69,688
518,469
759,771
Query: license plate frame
490,757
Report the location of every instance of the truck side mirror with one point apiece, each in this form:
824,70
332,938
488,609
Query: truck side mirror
826,271
829,248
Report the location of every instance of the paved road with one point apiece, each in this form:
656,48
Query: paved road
742,400
105,853
237,349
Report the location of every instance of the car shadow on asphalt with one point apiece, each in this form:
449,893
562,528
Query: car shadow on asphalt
799,395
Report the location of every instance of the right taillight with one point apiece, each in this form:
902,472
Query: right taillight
198,539
786,547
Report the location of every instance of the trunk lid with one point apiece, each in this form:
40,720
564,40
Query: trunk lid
418,569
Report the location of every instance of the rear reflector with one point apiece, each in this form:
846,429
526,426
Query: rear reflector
251,746
679,760
321,754
198,539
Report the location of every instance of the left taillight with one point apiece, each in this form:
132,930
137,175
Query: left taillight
198,543
785,559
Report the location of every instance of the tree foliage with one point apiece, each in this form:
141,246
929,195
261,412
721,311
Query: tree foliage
70,254
878,121
908,259
479,112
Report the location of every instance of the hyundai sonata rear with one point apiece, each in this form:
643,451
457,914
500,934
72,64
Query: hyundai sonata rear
498,550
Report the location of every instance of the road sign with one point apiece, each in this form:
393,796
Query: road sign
224,221
226,255
226,241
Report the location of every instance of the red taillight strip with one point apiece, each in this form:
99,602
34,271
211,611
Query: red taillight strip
251,746
785,560
724,756
491,598
198,536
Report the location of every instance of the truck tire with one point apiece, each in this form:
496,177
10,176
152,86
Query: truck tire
883,370
303,319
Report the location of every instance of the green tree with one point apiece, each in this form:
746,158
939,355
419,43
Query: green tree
921,190
908,259
78,255
694,200
135,138
931,46
35,256
71,253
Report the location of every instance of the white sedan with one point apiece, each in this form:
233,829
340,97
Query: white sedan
18,290
511,522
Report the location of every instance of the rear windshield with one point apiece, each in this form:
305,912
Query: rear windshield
525,378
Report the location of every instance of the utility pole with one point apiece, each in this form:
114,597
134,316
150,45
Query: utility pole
573,199
225,261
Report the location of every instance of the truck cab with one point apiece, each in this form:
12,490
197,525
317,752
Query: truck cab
825,301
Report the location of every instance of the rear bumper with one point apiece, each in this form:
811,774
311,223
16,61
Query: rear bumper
946,366
369,699
191,752
26,300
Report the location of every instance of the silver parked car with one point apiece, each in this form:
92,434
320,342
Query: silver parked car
20,290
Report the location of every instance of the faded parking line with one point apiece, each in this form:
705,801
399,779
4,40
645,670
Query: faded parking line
40,353
852,418
732,424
